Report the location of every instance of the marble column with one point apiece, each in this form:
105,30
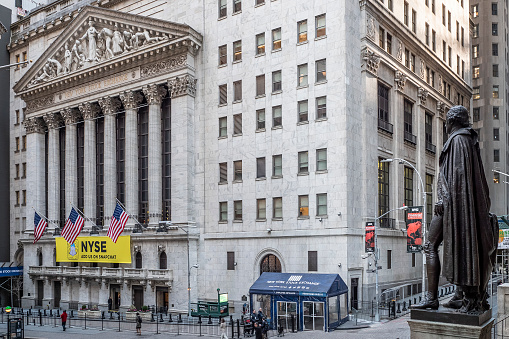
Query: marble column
35,181
66,294
131,101
126,297
109,106
104,293
89,112
47,301
154,95
182,91
71,117
54,122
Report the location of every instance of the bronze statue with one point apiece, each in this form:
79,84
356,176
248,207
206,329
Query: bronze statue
462,221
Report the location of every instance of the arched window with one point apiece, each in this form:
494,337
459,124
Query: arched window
270,263
163,261
139,260
40,258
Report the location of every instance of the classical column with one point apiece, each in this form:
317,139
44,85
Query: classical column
131,100
89,112
109,107
54,122
154,95
182,91
35,181
104,293
71,117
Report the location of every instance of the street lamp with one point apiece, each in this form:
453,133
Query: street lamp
423,191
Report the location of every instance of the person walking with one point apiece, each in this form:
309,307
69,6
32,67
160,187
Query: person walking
258,331
138,323
63,316
222,327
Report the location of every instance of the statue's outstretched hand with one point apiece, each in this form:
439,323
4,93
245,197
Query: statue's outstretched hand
439,208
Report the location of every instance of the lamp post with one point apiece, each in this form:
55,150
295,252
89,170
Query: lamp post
423,191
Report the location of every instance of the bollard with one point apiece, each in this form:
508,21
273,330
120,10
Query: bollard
238,329
40,319
404,306
420,298
118,316
292,321
152,318
45,313
157,323
231,319
102,322
199,319
415,301
111,315
58,313
161,317
102,314
72,313
39,312
30,310
85,321
50,313
119,321
180,318
398,311
170,320
210,320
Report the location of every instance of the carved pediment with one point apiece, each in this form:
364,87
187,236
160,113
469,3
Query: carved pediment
99,38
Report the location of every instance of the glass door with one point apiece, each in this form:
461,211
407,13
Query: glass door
285,310
314,316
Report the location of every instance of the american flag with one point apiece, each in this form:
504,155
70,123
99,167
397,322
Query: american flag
73,226
118,222
40,225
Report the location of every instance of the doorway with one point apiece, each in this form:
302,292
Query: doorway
138,297
354,285
115,296
285,311
40,292
57,293
314,316
161,299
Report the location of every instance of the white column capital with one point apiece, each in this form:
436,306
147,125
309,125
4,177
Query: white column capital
154,93
109,105
34,125
184,85
53,120
131,99
89,110
71,115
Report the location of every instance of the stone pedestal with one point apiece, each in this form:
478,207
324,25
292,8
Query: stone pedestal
448,324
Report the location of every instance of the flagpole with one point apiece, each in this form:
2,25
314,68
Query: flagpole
125,209
44,217
84,216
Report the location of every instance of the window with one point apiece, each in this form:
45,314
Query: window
449,21
496,134
139,260
494,8
260,167
277,165
433,6
321,204
260,119
389,5
405,13
321,107
412,62
261,209
260,44
276,39
381,36
303,206
230,261
24,198
163,261
475,10
277,116
237,6
237,170
303,110
17,60
389,259
432,78
495,70
223,172
426,33
383,187
302,31
237,50
17,117
476,93
475,51
321,159
429,199
496,155
237,124
222,9
409,186
320,25
496,111
475,32
457,31
260,2
237,210
462,37
302,73
24,143
223,94
433,40
222,127
223,55
495,91
408,106
260,85
463,69
475,72
407,58
17,144
17,172
413,259
450,56
414,19
312,261
496,178
237,91
458,63
17,198
428,132
494,29
494,49
223,211
383,103
443,14
277,208
303,162
476,114
389,43
321,74
276,81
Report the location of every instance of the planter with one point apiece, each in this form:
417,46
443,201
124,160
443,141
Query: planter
89,314
145,316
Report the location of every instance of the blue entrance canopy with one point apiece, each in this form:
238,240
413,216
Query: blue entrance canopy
303,284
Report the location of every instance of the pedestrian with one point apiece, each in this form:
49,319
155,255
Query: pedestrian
258,331
265,327
222,327
138,323
254,317
64,319
260,315
110,304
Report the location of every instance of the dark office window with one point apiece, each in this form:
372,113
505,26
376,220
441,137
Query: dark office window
143,165
496,111
166,161
383,102
383,187
495,70
413,259
260,167
476,114
494,9
80,130
389,259
223,172
312,261
120,120
494,49
99,168
409,187
139,260
163,261
230,261
496,155
429,198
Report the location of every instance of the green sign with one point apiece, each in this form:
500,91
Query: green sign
223,298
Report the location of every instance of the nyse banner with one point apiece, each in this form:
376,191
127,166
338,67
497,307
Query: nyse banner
369,243
414,229
95,249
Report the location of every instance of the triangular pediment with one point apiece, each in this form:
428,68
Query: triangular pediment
100,37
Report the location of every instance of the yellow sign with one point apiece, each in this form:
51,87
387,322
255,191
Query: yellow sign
94,249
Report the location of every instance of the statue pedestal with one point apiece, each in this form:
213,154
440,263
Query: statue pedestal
448,324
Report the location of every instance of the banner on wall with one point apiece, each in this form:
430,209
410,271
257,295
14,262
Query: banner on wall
414,229
503,239
370,237
94,249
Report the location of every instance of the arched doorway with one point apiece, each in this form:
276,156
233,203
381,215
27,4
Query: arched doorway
270,263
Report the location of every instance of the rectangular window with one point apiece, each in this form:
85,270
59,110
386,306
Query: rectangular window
495,91
321,159
458,64
321,204
17,144
475,31
276,81
462,37
433,6
428,133
303,110
426,33
381,38
475,51
496,134
223,127
303,162
223,211
495,70
412,62
223,55
320,26
475,11
223,94
259,2
413,259
496,155
302,31
237,6
414,21
433,40
260,119
222,9
475,72
302,71
383,187
237,50
260,85
443,14
237,210
389,43
277,165
17,199
449,21
494,8
407,58
429,198
476,93
321,107
17,117
408,107
277,208
389,259
303,206
260,167
260,44
23,170
237,124
17,172
24,198
277,116
237,91
276,39
494,49
312,261
223,172
261,209
450,56
230,261
237,169
405,13
389,5
496,111
494,29
383,102
321,73
457,31
463,70
409,186
476,114
24,143
432,78
444,51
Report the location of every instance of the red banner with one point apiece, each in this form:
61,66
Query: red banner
370,237
414,229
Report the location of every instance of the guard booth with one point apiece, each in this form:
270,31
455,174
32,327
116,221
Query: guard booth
301,301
